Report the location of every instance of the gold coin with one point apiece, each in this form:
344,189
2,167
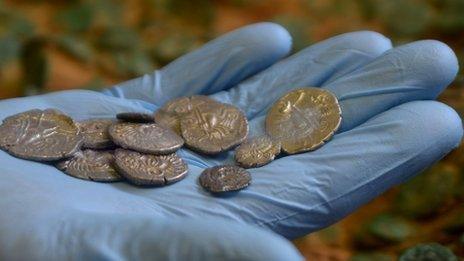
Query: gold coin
303,119
170,114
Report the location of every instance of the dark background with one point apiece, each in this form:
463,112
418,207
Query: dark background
54,45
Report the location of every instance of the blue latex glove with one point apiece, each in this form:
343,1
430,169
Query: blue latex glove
391,130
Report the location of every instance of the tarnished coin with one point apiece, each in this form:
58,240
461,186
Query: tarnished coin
145,169
304,119
145,137
225,178
95,133
91,165
257,151
171,113
42,135
428,252
135,117
211,128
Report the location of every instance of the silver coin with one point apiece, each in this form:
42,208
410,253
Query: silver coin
146,170
42,135
91,165
303,119
135,117
224,179
171,113
95,133
212,128
147,138
257,151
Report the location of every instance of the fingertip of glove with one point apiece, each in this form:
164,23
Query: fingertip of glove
442,60
369,42
431,63
225,240
449,121
270,36
435,121
271,247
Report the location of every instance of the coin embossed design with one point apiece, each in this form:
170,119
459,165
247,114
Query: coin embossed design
303,119
213,128
41,135
257,152
224,178
171,113
135,117
95,133
145,137
91,165
145,169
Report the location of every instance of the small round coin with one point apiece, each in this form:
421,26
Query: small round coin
135,117
171,113
212,128
95,133
257,152
303,119
91,165
150,170
225,178
145,137
42,135
428,251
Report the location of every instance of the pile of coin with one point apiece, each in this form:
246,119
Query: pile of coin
141,148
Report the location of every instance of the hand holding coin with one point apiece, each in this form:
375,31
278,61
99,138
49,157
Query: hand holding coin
390,131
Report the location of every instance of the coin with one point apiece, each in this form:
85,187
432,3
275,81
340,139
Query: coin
91,165
257,151
135,117
95,133
211,128
145,169
428,251
42,135
224,178
304,119
171,113
145,137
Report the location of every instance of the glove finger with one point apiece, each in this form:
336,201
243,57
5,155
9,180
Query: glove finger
324,61
79,104
415,71
79,235
306,192
218,65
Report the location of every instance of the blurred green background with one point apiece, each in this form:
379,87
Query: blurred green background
53,45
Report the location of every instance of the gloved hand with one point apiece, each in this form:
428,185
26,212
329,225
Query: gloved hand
391,130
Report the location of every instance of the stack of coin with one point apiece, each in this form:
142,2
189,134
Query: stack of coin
141,148
207,126
147,154
85,149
